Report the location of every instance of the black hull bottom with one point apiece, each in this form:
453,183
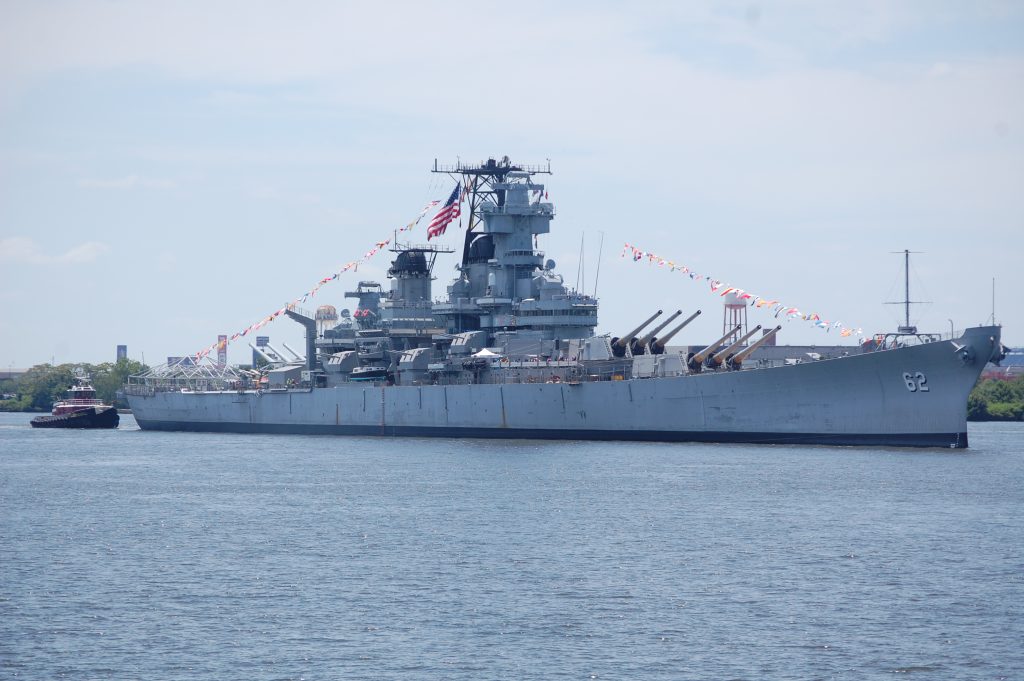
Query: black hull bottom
108,418
943,440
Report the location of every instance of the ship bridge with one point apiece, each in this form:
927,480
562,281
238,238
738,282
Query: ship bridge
504,281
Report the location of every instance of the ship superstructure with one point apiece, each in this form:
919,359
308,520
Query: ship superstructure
511,351
505,287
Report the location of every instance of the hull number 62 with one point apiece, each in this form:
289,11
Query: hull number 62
916,382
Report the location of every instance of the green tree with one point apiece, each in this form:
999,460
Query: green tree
997,399
977,407
108,379
1006,411
43,384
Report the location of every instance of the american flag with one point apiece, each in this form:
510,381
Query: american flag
451,209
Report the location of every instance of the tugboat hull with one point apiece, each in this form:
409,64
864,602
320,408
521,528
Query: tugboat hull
93,417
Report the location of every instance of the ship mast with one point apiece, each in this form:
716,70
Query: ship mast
906,302
906,286
479,182
993,301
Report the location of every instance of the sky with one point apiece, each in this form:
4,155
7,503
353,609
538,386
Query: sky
171,171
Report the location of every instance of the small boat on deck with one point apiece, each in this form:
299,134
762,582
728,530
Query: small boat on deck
369,373
79,409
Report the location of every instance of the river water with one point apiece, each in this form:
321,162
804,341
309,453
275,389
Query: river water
135,555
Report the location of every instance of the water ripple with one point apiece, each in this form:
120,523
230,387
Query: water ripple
128,554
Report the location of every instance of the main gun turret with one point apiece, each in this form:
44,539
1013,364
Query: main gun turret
736,361
658,344
716,360
695,360
619,345
639,345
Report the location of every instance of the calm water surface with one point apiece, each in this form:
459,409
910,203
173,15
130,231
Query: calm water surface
133,555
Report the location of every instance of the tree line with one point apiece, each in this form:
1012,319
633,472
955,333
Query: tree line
996,399
42,385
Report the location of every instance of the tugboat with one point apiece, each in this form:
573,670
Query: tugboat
79,409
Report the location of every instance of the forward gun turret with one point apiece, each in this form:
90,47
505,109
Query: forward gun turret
658,344
639,345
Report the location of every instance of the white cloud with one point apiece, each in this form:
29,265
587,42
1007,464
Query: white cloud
24,250
126,182
332,46
271,42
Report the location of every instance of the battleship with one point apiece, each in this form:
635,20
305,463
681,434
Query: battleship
511,352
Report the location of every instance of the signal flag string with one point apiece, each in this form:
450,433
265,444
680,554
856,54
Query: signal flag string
351,265
722,289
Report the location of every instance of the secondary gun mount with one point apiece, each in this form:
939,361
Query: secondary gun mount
736,361
695,360
619,345
658,344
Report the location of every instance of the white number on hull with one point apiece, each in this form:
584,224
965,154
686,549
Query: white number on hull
916,382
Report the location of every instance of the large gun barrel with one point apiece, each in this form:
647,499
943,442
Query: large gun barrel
736,361
297,356
642,342
619,345
716,359
695,359
658,344
280,355
263,354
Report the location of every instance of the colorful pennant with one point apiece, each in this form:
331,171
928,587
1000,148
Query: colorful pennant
352,265
719,287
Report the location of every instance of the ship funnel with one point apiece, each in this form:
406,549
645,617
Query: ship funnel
658,344
619,345
641,343
716,360
695,359
736,361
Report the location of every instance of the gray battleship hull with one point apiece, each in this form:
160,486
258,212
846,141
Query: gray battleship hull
911,396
